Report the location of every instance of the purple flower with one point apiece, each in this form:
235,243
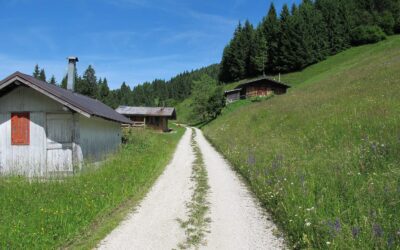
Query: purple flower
337,225
251,160
277,162
377,230
355,231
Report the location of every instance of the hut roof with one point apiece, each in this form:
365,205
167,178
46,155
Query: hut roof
261,79
233,91
76,102
147,111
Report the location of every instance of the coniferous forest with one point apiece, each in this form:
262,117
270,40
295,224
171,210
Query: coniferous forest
306,34
290,41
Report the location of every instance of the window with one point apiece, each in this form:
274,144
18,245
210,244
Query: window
20,128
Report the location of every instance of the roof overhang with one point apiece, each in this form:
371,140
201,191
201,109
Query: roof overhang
18,81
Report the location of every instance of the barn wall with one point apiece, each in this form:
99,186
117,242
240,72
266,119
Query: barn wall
29,159
232,97
98,138
26,99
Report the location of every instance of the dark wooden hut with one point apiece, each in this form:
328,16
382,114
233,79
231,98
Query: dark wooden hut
257,87
155,117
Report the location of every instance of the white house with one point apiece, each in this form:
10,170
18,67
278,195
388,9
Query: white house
47,130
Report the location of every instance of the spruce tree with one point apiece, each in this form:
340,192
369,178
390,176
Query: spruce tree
287,42
36,72
246,41
258,54
237,66
87,85
334,15
104,90
53,80
42,75
271,29
64,82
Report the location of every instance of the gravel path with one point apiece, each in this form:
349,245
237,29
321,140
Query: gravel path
237,221
154,224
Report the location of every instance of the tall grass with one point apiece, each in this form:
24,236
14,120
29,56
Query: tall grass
50,214
325,158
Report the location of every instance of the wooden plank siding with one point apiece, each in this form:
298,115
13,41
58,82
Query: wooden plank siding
59,139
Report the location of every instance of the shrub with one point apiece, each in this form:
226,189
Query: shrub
367,34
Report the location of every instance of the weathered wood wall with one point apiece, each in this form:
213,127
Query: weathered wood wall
98,138
231,97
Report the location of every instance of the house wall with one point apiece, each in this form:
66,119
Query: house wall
29,159
97,138
232,97
253,91
92,138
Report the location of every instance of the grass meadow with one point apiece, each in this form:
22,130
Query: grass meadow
324,159
78,211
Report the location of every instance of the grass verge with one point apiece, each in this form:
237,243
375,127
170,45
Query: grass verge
196,226
79,211
324,159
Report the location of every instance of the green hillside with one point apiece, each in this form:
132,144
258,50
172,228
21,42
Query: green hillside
324,159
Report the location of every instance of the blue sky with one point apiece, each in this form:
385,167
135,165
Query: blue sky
125,40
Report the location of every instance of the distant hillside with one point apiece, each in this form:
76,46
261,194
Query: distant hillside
161,92
324,158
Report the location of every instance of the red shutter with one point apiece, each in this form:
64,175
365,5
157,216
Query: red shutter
20,133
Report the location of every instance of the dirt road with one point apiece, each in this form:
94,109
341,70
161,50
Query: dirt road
237,221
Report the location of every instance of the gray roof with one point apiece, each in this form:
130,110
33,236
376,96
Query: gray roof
246,82
147,111
76,102
232,91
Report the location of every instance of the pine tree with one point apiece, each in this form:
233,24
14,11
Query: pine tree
314,34
87,85
42,75
271,29
335,17
246,41
125,93
224,74
36,72
64,82
258,54
287,42
53,80
104,90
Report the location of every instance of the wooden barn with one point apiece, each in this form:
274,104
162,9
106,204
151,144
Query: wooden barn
46,130
257,87
154,117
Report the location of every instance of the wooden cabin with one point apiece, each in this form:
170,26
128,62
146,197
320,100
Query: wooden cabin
46,130
154,117
257,87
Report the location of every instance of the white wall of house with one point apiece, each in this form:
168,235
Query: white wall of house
59,139
98,138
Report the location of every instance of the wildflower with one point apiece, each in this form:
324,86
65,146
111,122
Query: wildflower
291,183
337,225
377,230
355,231
328,243
308,224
